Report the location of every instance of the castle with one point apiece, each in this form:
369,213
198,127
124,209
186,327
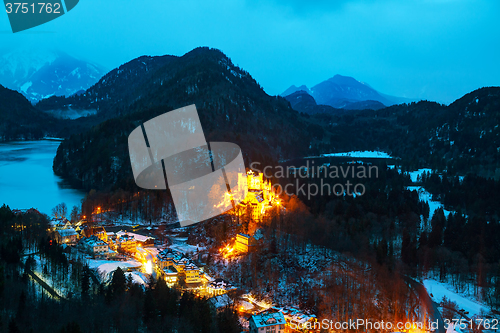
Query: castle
260,193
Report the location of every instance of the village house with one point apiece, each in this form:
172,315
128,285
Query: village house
170,274
94,246
242,242
166,257
95,231
59,223
172,263
267,322
181,264
66,236
140,240
296,318
110,237
220,302
101,234
219,287
126,243
192,273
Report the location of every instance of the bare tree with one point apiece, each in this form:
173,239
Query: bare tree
75,214
60,211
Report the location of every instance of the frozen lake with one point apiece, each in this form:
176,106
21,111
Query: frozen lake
27,179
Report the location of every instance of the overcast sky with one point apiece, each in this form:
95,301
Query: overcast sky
428,49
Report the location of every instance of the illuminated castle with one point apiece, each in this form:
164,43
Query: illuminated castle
260,193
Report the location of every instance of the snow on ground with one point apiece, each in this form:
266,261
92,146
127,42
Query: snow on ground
186,248
438,290
109,266
138,277
179,244
208,277
263,304
178,240
427,197
153,250
52,280
360,154
414,174
246,305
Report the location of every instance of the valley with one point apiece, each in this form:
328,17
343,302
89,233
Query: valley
425,226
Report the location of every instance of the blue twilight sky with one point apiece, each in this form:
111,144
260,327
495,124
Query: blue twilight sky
428,49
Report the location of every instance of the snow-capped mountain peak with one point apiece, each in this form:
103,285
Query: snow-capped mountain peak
40,73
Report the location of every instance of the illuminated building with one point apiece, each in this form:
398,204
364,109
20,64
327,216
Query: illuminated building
220,302
192,273
101,234
172,263
94,246
170,275
166,257
242,242
127,243
268,322
261,194
219,287
141,240
296,318
97,231
66,236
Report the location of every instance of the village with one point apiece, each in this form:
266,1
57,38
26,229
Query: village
143,255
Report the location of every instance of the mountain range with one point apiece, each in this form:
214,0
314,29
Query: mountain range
343,92
39,74
231,105
461,137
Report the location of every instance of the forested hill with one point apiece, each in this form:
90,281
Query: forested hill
231,104
461,138
19,120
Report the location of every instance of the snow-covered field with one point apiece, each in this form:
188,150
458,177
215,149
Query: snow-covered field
138,277
415,174
108,266
438,290
360,154
179,244
427,197
153,250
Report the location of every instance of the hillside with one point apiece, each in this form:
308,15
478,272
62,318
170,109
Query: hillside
231,104
462,137
19,120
